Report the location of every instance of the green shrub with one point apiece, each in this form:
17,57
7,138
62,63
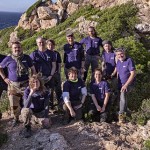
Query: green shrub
147,145
143,114
4,37
135,50
4,102
34,6
24,34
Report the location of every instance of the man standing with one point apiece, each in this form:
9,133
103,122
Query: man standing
92,47
18,65
126,76
44,61
73,55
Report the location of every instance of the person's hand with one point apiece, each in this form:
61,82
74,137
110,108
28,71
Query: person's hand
98,108
103,109
78,106
33,89
124,88
49,78
7,81
72,113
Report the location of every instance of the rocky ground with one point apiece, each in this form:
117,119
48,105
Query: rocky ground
77,136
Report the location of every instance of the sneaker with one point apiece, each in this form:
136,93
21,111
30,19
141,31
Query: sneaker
26,132
15,122
122,118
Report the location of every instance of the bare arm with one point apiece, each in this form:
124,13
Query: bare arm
96,103
33,71
4,76
53,70
2,73
68,103
114,72
130,79
69,106
105,101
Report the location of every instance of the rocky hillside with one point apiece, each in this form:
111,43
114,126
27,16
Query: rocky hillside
43,15
125,24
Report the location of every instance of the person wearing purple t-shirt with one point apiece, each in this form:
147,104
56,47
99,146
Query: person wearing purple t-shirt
109,71
57,77
36,105
92,49
126,76
74,94
44,61
100,93
73,55
18,65
109,58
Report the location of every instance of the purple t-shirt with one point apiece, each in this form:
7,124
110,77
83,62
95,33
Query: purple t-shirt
74,89
99,90
124,68
92,45
109,59
11,65
58,59
43,61
38,101
73,55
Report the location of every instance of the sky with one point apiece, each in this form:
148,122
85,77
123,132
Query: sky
16,5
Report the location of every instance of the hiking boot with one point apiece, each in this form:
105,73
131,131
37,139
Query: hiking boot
122,118
15,122
26,132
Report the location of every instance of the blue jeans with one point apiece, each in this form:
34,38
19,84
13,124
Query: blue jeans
123,100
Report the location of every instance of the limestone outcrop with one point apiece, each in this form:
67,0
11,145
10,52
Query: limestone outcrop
49,14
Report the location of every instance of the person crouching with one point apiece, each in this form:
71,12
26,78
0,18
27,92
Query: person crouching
36,105
74,94
100,93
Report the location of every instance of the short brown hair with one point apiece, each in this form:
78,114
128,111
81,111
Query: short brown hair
50,40
98,69
15,42
72,70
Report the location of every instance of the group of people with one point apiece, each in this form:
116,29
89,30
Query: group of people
32,79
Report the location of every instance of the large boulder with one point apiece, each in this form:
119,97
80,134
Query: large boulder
45,13
45,24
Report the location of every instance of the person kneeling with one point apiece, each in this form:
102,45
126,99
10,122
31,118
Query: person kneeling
74,94
100,92
36,105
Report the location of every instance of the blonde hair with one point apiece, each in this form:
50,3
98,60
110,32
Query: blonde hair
38,76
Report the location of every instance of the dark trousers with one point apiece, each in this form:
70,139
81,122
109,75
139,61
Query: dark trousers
78,111
56,88
96,115
50,85
93,61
